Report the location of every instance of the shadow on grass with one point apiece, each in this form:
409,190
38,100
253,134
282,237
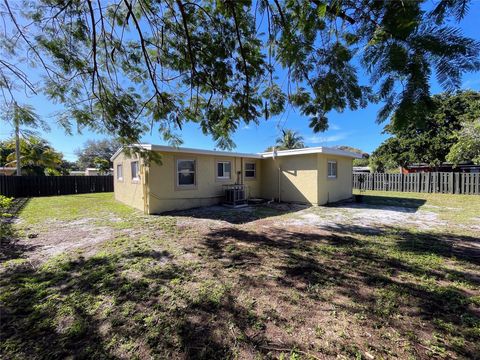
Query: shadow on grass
384,203
382,283
449,246
9,247
146,303
238,215
133,305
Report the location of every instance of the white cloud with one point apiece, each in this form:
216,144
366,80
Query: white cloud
319,139
333,127
246,127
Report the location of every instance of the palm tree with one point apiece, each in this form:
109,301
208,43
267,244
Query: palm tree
36,155
290,140
19,116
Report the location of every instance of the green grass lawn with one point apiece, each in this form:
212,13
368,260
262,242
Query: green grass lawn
196,285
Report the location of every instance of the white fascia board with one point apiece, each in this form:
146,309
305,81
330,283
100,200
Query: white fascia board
163,148
116,154
312,150
143,146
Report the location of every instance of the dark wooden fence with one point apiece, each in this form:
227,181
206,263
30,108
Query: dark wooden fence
29,186
429,182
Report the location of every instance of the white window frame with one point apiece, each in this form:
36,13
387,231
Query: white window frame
223,162
120,173
194,172
329,174
254,170
137,177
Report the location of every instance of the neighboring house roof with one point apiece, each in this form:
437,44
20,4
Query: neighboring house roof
311,150
361,168
7,170
442,164
95,169
77,172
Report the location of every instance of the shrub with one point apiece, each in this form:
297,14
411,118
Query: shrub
5,203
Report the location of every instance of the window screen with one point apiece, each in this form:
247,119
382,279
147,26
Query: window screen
250,170
134,167
185,172
224,169
119,172
332,169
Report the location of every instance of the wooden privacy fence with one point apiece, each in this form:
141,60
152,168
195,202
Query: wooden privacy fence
428,182
29,186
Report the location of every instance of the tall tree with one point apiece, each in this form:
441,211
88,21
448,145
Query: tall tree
19,116
37,156
431,137
364,161
467,147
125,66
96,149
290,139
102,165
5,150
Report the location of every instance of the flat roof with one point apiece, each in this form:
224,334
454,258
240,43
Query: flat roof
263,155
164,148
312,150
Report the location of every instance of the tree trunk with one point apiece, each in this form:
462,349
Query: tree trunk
17,149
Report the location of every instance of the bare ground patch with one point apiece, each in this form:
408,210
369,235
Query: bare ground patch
352,281
367,216
53,238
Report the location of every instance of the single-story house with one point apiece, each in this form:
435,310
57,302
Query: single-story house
7,171
444,167
362,169
96,172
188,178
77,173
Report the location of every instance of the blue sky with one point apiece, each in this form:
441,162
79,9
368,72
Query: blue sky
354,128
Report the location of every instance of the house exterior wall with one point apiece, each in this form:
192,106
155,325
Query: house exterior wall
303,179
298,178
127,190
165,195
253,184
334,189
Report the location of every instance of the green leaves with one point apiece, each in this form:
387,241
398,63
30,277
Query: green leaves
447,132
467,147
290,139
36,155
127,65
275,100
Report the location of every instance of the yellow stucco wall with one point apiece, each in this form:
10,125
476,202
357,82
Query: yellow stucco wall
303,179
298,178
334,189
128,191
164,195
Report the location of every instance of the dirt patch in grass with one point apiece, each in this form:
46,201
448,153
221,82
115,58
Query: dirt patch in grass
368,217
349,281
59,237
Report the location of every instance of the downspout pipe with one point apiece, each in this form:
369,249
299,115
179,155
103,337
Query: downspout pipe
274,155
146,194
279,182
